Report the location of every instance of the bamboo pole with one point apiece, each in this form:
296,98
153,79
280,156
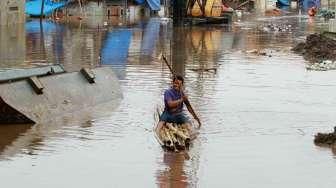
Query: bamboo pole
181,142
169,139
163,137
177,132
173,137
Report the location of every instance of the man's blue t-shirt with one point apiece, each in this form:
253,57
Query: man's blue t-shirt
172,95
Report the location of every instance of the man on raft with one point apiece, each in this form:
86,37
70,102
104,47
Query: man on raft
174,98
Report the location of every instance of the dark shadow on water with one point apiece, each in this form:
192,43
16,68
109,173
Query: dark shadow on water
10,133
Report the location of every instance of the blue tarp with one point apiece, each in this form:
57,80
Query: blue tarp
284,2
33,7
34,26
140,2
115,48
51,30
153,4
307,4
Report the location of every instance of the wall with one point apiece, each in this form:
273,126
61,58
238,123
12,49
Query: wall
263,5
12,12
12,45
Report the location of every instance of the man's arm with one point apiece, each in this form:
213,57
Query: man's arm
191,110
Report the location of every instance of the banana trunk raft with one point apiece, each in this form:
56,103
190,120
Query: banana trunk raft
173,137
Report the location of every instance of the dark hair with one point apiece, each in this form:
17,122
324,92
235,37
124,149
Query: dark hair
178,77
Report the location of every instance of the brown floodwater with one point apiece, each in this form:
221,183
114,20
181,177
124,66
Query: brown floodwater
259,113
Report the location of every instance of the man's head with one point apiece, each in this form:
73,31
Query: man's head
178,81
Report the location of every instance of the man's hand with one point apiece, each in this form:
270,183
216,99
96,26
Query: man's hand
184,97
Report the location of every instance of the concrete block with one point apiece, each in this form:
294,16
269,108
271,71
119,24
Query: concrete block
332,25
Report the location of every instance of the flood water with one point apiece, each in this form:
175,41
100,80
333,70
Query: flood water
259,113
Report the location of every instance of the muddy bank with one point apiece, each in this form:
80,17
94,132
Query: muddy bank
317,48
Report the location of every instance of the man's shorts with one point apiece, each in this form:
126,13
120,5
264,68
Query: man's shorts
179,118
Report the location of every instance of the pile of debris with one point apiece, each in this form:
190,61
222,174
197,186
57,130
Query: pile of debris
317,48
276,28
258,52
326,139
327,14
322,66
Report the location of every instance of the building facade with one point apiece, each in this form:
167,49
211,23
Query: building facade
12,12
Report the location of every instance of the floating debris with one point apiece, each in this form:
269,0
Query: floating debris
327,13
276,28
273,12
214,70
323,66
258,52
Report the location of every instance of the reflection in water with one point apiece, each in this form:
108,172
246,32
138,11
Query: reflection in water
12,46
115,49
9,133
150,36
35,139
35,40
50,42
116,46
174,174
180,169
179,50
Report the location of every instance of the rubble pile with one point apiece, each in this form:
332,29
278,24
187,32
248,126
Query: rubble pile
317,48
328,139
276,28
322,66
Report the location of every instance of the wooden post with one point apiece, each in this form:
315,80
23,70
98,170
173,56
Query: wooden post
80,6
42,10
179,11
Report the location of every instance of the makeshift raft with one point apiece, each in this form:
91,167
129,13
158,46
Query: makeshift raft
174,137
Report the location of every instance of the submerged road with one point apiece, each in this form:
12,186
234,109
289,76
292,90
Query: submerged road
259,112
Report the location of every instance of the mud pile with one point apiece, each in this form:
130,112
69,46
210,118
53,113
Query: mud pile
322,66
326,138
317,48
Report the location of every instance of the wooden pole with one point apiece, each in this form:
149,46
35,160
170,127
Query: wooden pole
42,10
80,6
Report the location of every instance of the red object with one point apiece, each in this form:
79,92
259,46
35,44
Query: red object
312,11
226,8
